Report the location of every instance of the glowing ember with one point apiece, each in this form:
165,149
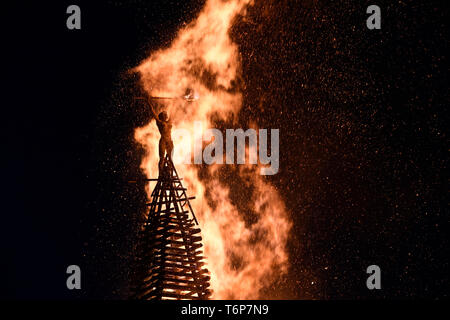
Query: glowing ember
191,95
242,258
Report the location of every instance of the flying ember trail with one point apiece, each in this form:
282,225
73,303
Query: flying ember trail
243,258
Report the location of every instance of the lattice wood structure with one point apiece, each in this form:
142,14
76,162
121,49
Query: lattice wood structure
169,250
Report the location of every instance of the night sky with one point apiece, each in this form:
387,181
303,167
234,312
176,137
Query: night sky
363,142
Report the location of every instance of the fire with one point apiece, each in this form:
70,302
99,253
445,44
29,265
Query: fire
242,258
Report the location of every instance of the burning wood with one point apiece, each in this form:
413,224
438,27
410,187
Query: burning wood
169,264
242,258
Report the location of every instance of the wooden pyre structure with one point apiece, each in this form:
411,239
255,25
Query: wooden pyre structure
169,259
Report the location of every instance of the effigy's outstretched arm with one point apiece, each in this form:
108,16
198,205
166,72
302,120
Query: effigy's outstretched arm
148,100
152,110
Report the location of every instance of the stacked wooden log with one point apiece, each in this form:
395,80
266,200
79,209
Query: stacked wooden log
170,260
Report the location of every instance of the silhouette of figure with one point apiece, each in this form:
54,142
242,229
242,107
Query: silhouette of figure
165,127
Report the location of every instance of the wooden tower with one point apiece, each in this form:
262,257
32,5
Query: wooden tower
169,259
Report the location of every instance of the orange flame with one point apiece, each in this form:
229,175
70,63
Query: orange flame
203,57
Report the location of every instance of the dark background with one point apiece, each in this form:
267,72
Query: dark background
363,142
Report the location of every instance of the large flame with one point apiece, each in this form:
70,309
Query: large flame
242,258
